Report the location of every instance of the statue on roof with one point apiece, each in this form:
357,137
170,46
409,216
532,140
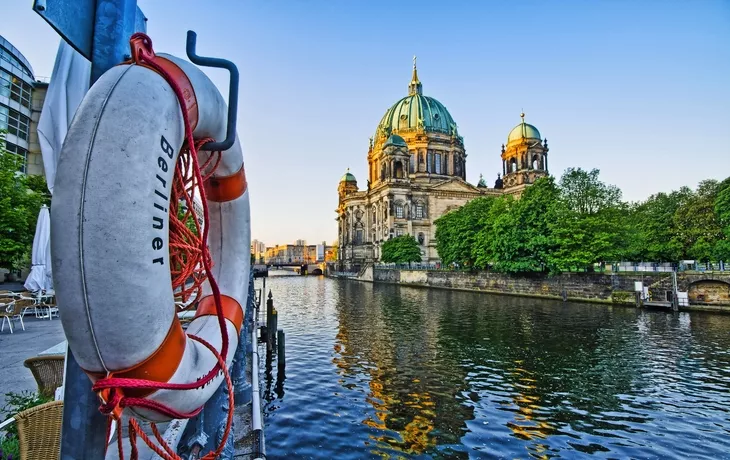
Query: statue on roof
481,183
498,184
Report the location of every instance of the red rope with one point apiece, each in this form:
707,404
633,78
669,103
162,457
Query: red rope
189,257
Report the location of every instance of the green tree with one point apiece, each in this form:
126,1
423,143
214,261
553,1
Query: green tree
483,251
19,206
696,225
590,224
400,250
722,214
583,193
523,239
456,232
657,228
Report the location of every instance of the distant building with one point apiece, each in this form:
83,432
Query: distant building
21,102
301,242
287,254
417,172
258,250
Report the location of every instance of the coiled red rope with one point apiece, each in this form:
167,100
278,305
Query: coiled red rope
190,258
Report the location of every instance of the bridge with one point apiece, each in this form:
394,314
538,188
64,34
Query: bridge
309,269
702,288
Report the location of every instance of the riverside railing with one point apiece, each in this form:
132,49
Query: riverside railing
620,267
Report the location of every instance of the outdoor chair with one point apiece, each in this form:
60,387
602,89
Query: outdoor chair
13,310
39,431
48,373
46,303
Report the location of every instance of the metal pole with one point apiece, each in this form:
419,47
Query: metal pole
83,434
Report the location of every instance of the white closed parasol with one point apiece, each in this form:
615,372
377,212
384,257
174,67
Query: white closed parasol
41,276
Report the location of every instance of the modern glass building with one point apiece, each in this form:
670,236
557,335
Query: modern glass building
21,100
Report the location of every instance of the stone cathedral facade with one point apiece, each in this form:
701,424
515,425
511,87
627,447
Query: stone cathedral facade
417,172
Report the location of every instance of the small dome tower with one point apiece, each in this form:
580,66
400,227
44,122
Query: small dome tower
524,159
347,185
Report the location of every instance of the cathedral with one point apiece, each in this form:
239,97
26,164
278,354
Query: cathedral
417,172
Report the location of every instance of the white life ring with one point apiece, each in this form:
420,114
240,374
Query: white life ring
110,234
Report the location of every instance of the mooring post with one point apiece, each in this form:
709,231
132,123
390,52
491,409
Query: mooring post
271,344
281,350
269,314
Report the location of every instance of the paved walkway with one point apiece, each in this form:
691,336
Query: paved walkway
39,335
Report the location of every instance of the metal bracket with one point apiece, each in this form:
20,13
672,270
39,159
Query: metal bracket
232,92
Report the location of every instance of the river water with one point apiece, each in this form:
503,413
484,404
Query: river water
382,371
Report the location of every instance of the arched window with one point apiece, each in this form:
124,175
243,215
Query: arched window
437,163
513,165
398,173
429,161
535,162
419,210
413,163
399,211
422,162
382,172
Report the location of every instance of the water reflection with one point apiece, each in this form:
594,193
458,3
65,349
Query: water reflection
391,372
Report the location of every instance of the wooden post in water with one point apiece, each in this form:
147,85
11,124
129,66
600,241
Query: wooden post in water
281,350
271,341
269,313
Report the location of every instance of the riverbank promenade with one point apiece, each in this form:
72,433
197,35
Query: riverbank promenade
39,335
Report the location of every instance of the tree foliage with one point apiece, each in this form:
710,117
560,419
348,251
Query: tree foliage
19,207
401,249
456,232
589,223
582,221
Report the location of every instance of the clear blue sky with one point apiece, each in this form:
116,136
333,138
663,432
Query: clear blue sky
640,90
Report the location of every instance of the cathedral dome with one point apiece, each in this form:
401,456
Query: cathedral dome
415,112
348,177
523,130
396,140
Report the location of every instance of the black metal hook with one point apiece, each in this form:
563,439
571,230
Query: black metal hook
232,92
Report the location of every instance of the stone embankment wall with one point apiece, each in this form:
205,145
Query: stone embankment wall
595,287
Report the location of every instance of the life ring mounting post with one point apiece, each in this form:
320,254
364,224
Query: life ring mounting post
220,63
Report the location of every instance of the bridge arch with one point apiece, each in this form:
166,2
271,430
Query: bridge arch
709,290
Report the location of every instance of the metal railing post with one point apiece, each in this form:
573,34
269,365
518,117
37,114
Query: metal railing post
83,434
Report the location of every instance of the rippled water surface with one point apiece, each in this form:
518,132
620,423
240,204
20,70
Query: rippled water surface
381,371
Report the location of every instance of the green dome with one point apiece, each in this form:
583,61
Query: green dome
396,140
348,177
417,111
523,130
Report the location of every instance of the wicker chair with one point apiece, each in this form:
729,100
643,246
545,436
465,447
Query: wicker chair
48,373
39,431
15,312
